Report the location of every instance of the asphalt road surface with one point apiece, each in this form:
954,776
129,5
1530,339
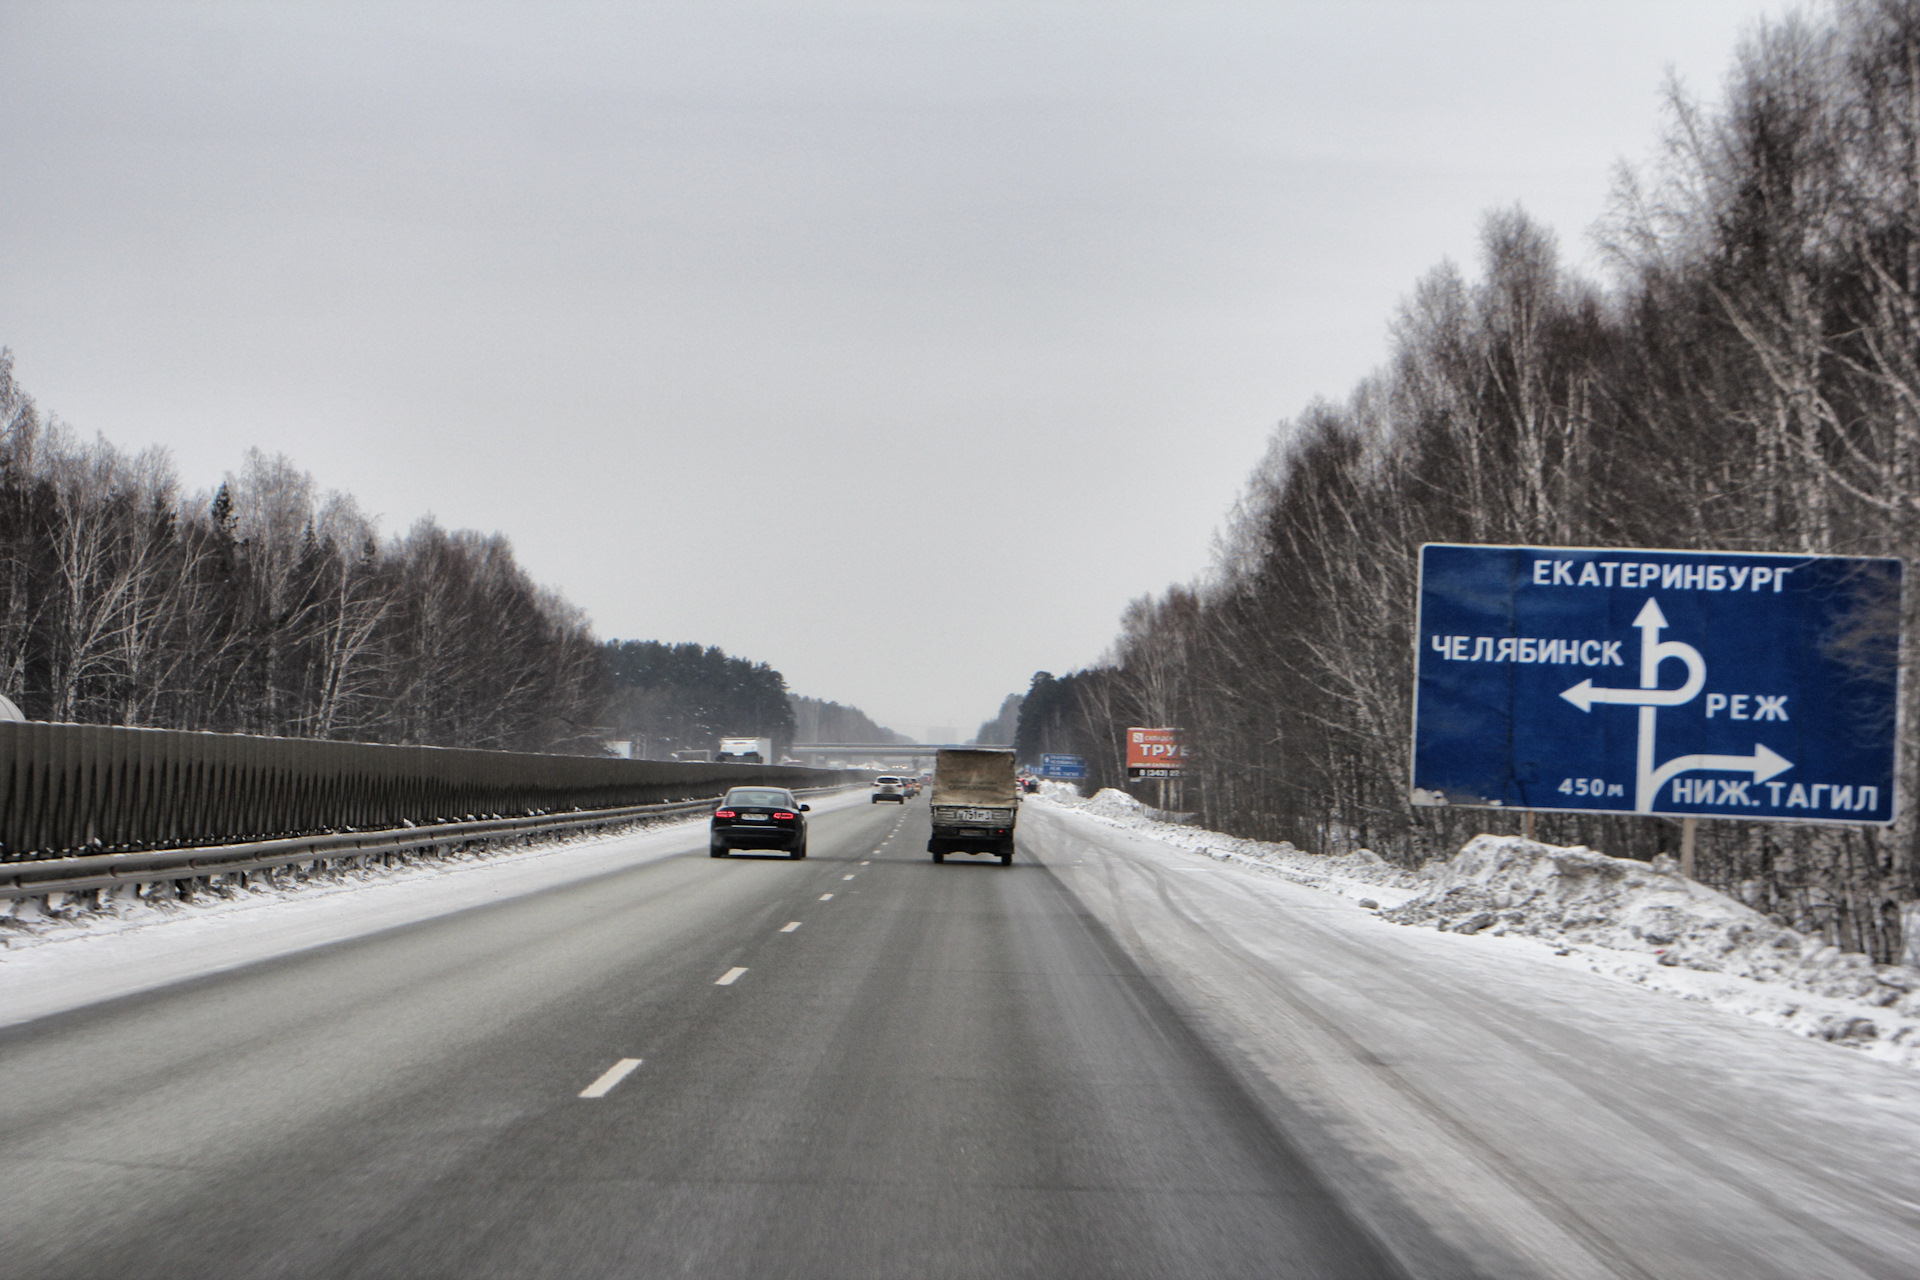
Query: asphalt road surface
857,1065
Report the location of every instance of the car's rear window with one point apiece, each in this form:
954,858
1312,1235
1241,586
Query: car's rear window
756,796
881,782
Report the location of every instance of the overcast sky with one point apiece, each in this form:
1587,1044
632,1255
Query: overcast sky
896,344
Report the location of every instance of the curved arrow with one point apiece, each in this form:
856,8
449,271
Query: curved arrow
1584,695
1762,764
1653,651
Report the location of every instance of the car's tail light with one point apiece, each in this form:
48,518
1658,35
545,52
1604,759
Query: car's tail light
782,813
725,813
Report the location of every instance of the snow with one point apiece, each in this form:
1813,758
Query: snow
1650,925
1512,1103
74,958
1361,874
1633,922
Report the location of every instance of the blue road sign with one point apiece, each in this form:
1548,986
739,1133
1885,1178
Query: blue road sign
1063,767
1686,683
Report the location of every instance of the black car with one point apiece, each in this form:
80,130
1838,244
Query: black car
759,818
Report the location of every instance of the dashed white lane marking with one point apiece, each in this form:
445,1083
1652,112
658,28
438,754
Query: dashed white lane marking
612,1076
848,876
826,897
867,863
730,977
790,926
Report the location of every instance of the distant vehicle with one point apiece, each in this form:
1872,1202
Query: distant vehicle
888,787
912,784
744,751
758,818
976,802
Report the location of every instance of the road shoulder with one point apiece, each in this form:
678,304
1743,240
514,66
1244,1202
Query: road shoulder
1532,1119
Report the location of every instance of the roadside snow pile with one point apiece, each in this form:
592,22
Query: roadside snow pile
1634,922
1505,884
1362,874
1117,805
31,922
1575,897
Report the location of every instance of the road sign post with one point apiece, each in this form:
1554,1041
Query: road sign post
1677,683
1065,768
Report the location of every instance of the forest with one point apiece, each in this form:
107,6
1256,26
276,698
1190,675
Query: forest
685,697
1746,377
999,731
270,607
817,720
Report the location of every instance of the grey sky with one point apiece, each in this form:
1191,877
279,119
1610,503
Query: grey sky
737,318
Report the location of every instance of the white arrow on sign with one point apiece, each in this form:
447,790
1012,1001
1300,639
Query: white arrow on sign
1584,695
1653,651
1762,764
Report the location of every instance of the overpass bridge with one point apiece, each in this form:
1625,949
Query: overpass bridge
856,751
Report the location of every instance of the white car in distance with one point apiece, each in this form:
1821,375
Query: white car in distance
888,787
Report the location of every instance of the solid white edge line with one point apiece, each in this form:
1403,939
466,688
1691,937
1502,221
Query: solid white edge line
612,1076
790,926
730,977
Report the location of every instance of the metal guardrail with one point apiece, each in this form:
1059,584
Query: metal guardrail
45,876
68,789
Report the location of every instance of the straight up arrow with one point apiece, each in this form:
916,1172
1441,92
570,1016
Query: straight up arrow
1653,651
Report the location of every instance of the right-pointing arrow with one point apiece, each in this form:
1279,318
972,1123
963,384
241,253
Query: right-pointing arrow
1762,764
1767,764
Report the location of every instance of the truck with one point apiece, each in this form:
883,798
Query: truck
975,803
744,751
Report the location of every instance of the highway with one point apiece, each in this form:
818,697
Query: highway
857,1065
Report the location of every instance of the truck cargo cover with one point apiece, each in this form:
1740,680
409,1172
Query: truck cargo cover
975,777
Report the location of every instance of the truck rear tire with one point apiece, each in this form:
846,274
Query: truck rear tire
1006,859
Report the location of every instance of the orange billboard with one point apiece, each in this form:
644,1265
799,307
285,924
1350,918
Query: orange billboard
1156,753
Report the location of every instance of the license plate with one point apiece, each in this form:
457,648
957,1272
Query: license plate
753,817
976,815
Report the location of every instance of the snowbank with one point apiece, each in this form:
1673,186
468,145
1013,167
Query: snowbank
27,924
1575,897
1632,921
81,956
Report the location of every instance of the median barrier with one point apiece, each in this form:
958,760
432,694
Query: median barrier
70,792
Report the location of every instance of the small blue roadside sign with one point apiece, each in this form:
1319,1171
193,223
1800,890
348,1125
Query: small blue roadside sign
1682,683
1066,768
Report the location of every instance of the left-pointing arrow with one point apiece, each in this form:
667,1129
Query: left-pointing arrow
1584,695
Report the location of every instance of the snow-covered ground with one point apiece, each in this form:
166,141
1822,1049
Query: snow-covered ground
1513,1093
79,957
1630,921
1499,1102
